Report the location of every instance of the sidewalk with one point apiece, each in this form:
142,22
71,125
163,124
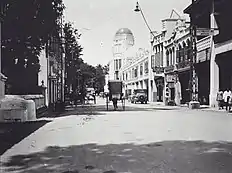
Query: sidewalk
202,107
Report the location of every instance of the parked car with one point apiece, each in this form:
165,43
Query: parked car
140,95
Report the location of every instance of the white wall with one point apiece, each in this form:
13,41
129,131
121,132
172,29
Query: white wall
43,74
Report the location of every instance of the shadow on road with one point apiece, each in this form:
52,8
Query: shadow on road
166,156
12,133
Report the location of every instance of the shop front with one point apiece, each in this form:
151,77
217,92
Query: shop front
203,73
184,78
160,89
170,88
224,62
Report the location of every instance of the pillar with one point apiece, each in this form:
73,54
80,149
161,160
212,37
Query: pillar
214,78
214,68
150,90
2,77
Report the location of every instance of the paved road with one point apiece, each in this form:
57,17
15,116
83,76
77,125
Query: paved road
142,139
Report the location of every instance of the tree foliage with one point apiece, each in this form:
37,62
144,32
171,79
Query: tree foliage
73,51
26,28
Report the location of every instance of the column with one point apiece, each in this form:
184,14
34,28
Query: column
214,69
214,78
2,77
150,90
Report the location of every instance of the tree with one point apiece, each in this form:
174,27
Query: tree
73,51
99,79
26,28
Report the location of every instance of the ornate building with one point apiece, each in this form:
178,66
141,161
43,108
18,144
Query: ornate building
123,40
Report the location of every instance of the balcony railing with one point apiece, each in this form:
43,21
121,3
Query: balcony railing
158,70
169,68
183,64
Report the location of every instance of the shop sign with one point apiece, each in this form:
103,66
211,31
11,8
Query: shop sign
170,78
203,32
203,56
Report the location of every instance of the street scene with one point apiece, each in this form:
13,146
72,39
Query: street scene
115,87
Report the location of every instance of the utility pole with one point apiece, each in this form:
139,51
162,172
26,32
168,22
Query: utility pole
194,103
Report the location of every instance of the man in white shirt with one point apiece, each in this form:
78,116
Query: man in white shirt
226,97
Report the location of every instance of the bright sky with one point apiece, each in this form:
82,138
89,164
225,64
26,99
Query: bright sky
98,21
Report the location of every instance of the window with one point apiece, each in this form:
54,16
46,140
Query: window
141,69
146,67
116,64
152,61
120,63
136,72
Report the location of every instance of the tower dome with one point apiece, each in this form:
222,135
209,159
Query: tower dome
124,31
123,39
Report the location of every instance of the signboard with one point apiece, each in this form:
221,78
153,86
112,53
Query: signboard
203,55
170,78
203,32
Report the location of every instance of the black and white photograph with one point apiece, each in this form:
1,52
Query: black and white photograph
115,86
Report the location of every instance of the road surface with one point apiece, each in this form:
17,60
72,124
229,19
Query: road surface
142,139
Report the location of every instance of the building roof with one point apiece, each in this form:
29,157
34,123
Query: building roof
123,31
196,5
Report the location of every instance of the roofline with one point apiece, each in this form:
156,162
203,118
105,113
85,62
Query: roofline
189,9
172,19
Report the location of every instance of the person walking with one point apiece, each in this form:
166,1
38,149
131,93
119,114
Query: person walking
226,97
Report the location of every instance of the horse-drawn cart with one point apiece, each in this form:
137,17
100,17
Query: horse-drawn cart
115,94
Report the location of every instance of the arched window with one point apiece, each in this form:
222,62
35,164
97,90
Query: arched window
178,53
189,49
167,57
184,51
173,55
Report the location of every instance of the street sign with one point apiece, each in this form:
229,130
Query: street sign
203,32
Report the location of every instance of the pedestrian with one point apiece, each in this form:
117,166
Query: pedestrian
115,103
226,97
220,100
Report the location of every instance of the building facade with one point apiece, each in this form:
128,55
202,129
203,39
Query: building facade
135,72
169,53
214,45
50,75
123,40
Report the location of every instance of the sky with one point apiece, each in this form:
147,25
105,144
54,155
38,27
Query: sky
99,20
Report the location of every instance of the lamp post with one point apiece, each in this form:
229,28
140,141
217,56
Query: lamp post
139,9
194,103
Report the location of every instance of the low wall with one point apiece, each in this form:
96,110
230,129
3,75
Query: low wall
38,99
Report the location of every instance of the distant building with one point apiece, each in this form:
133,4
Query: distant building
123,40
135,72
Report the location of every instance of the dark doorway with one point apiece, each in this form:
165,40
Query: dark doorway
184,80
203,73
160,88
225,71
160,93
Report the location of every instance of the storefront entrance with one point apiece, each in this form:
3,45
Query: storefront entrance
203,73
224,62
160,89
184,80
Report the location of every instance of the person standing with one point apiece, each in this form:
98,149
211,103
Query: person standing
220,100
226,97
